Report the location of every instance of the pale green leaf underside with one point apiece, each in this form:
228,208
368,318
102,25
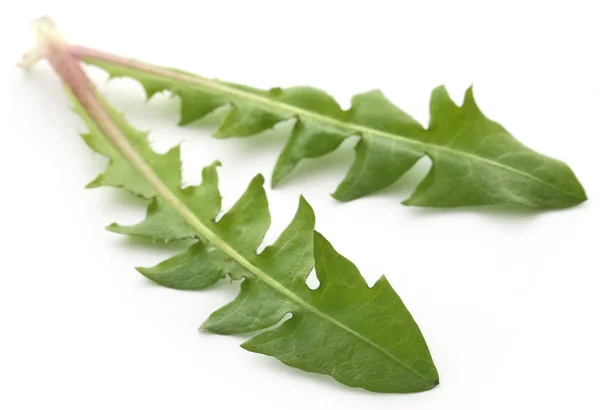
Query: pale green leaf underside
363,337
475,160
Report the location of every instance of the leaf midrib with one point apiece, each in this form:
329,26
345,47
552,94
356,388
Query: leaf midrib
352,128
129,152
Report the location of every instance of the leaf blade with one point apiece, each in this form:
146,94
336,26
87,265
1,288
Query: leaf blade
275,282
510,173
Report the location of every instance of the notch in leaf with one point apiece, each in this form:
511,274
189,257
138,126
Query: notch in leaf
475,160
363,337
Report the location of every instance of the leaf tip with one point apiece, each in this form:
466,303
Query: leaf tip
184,121
306,209
319,239
382,279
250,347
408,202
342,194
224,131
113,227
141,270
469,98
212,326
258,179
439,90
440,98
96,182
302,200
148,273
277,178
580,193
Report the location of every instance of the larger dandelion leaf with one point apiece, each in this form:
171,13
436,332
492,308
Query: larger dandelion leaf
363,337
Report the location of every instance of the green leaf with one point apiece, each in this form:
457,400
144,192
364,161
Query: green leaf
475,160
361,336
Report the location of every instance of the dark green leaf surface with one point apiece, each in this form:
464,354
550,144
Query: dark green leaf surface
475,160
363,337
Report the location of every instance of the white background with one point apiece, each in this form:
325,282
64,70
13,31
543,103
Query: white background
508,302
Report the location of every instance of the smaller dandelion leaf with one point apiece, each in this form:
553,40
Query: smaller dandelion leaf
475,161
